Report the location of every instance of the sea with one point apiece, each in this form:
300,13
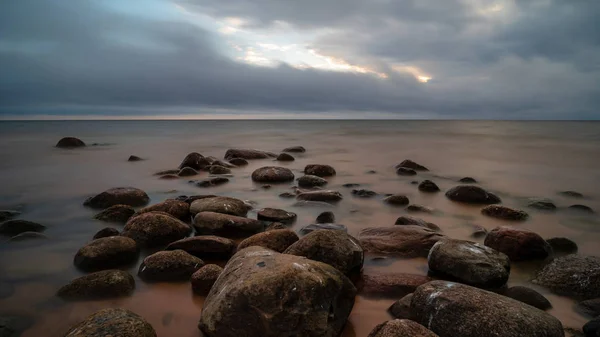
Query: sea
517,160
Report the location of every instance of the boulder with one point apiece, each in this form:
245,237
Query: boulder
541,204
529,296
403,171
562,245
401,328
401,308
116,213
321,195
325,226
281,295
452,309
70,142
118,196
238,161
99,285
106,253
390,285
275,214
504,213
187,172
134,158
397,200
112,322
277,240
225,205
211,182
203,279
194,161
205,246
592,328
172,265
285,157
406,220
415,208
247,154
272,174
362,193
106,232
319,170
294,149
209,223
8,214
218,169
17,226
469,263
518,244
472,195
175,208
154,229
326,217
309,181
467,180
404,241
572,275
428,186
589,307
411,165
581,208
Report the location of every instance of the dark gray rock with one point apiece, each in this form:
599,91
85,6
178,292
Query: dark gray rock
247,154
404,171
187,172
69,143
504,213
412,221
195,161
287,195
28,236
309,181
285,157
294,149
212,182
99,285
572,275
467,180
319,170
8,214
116,213
542,204
134,158
351,185
203,279
211,223
238,161
592,328
153,229
414,208
118,196
589,307
428,186
562,245
582,208
172,265
571,194
106,253
362,193
112,322
529,296
106,232
518,244
404,241
326,217
277,240
397,200
471,195
17,226
205,246
218,169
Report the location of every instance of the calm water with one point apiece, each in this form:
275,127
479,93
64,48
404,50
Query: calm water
515,159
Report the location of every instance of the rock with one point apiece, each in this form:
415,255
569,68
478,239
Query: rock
275,226
570,332
169,177
238,161
134,158
247,154
452,309
364,193
411,165
518,244
116,213
172,265
106,253
326,217
277,240
582,208
118,196
205,278
319,170
7,214
27,236
287,195
571,194
412,221
225,164
290,296
467,180
469,263
335,248
309,181
592,328
99,285
390,285
225,205
403,171
321,195
405,241
272,174
396,200
14,227
401,308
207,223
218,169
479,232
70,142
294,149
154,229
175,208
106,232
187,172
266,187
195,161
312,204
212,182
205,246
13,326
190,199
285,157
351,185
167,172
414,208
428,186
572,275
541,204
414,182
401,328
562,245
112,322
326,226
529,296
471,195
504,213
274,214
589,307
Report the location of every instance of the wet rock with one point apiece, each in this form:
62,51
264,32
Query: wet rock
134,158
195,161
99,285
403,171
277,240
190,199
562,245
287,195
106,253
205,278
187,172
322,297
225,164
272,174
274,226
205,246
13,326
412,221
274,214
14,227
371,172
70,142
153,229
504,213
327,226
351,185
592,328
390,285
414,208
321,195
572,275
467,180
326,217
364,193
452,309
529,296
312,204
401,308
8,214
28,236
175,208
167,172
428,186
469,263
116,213
518,244
285,157
396,200
294,149
411,165
582,208
172,265
207,223
238,161
541,204
471,195
106,232
212,182
247,154
266,187
401,328
479,232
414,182
309,181
319,170
571,194
169,177
589,307
118,196
225,205
112,322
405,241
217,169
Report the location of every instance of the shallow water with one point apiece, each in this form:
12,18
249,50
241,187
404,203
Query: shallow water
48,185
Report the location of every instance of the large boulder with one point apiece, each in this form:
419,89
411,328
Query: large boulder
225,205
171,265
70,142
504,213
275,214
211,223
518,244
194,161
205,246
401,328
247,154
112,322
99,285
18,226
319,170
411,165
470,194
280,296
390,285
272,174
404,241
118,196
309,181
572,275
469,263
277,240
176,208
154,229
452,310
529,296
335,248
321,195
116,213
204,278
106,253
406,220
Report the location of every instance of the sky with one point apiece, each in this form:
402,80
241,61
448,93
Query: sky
423,59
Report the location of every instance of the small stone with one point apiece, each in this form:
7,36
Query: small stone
414,208
294,149
541,204
172,265
529,296
134,158
309,181
106,253
467,180
106,232
285,157
14,227
403,171
187,172
411,165
118,196
326,217
428,186
412,221
562,245
274,214
238,161
371,172
169,176
401,308
319,170
571,194
397,200
272,174
217,169
70,142
364,193
205,246
351,185
212,182
287,195
504,213
582,208
277,240
116,213
247,154
471,195
203,279
99,285
112,322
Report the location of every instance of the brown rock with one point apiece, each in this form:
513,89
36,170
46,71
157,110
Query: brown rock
195,161
390,285
472,195
116,213
310,181
401,328
285,157
518,244
177,209
406,241
504,213
247,154
205,278
272,174
572,275
396,200
106,232
173,265
106,253
320,195
206,246
99,285
274,214
225,205
207,223
238,161
112,322
412,221
154,229
428,186
326,217
277,240
118,196
218,169
319,170
401,308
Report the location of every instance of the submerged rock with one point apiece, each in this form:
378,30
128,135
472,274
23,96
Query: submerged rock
529,296
401,308
8,214
106,253
571,194
401,328
414,208
169,177
327,226
319,170
205,246
70,142
592,328
582,208
173,265
167,172
294,149
27,236
225,205
467,180
272,174
99,285
218,169
428,186
134,158
211,182
207,223
275,214
321,195
412,221
277,240
411,165
390,285
203,279
589,307
326,217
116,213
396,200
572,275
154,229
504,213
541,204
309,181
14,227
285,157
518,244
405,241
106,232
247,154
562,245
362,193
112,322
287,195
187,172
177,209
118,196
238,161
404,171
194,161
471,195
